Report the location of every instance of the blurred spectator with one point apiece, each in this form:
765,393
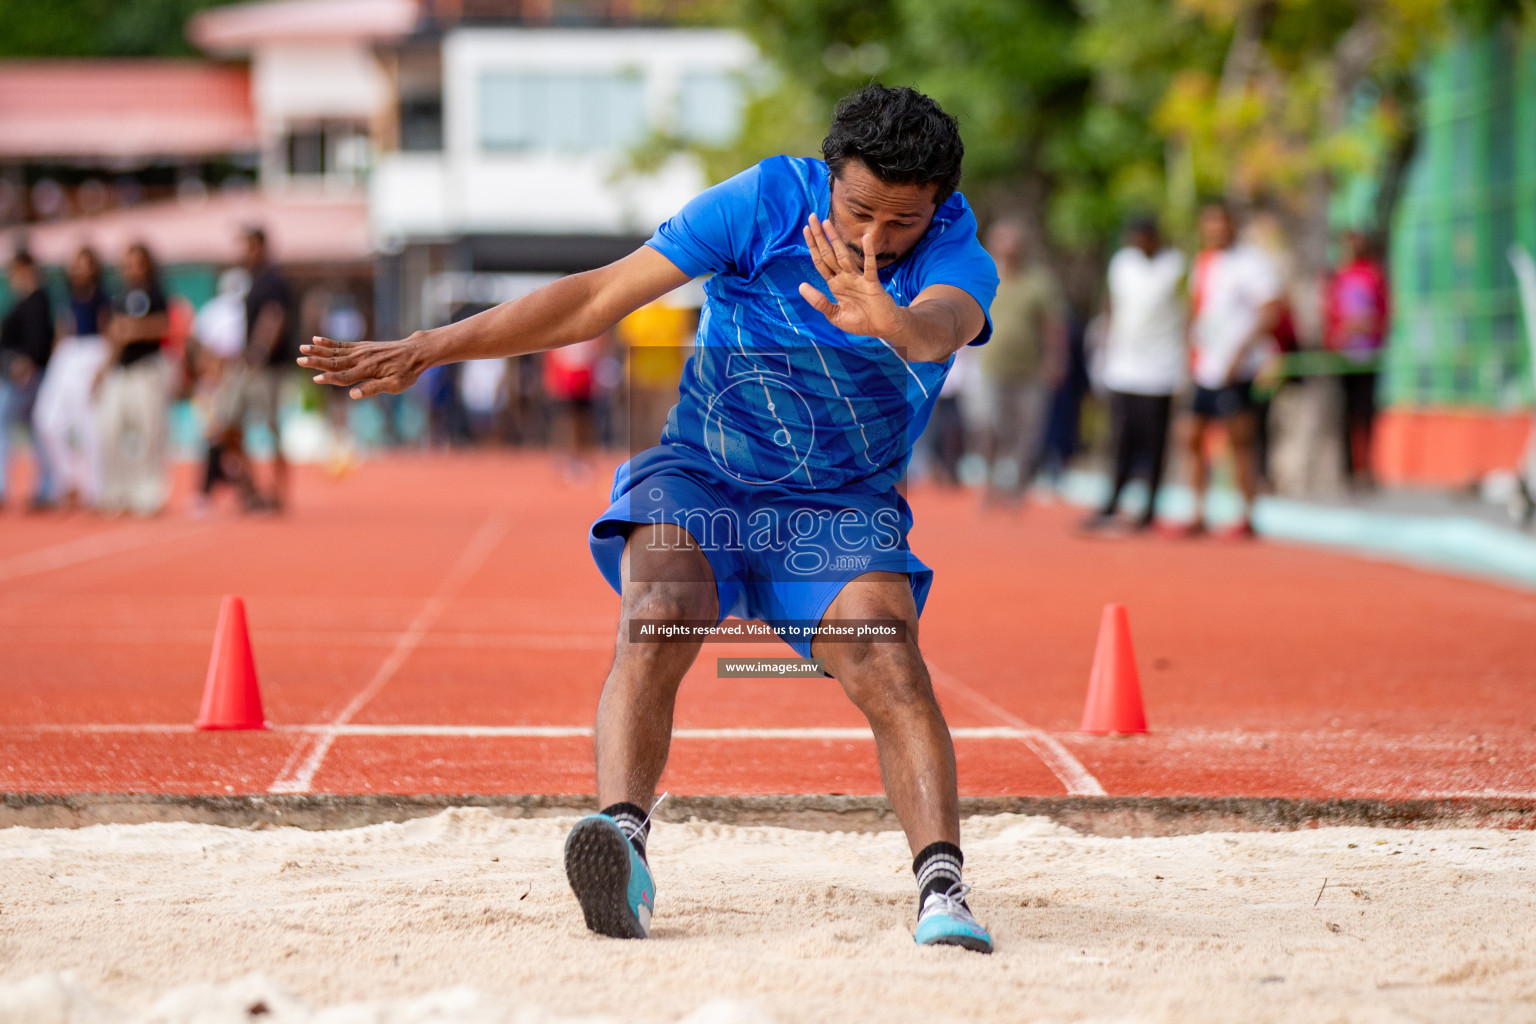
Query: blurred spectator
526,419
483,390
131,391
1064,416
220,334
1237,300
26,343
1143,361
1018,368
65,418
945,433
447,420
1358,308
270,322
1266,232
569,381
610,401
658,339
342,321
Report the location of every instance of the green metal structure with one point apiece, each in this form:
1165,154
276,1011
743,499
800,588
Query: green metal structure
1457,337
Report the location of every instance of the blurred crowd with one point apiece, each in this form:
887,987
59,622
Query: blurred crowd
1190,357
89,383
1194,352
93,381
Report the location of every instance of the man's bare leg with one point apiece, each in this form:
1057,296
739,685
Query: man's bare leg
890,684
665,576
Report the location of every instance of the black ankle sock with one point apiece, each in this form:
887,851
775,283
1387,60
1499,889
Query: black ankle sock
937,867
631,819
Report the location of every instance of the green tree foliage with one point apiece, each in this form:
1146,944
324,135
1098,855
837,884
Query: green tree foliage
1009,70
97,28
1077,114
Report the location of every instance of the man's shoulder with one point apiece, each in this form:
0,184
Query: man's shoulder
783,170
787,185
952,213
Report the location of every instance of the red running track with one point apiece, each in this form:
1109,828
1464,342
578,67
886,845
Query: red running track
436,625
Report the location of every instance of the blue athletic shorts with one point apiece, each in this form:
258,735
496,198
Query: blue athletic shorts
778,555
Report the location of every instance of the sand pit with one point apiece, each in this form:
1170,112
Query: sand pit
466,917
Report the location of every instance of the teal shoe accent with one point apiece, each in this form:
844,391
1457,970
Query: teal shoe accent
611,880
945,920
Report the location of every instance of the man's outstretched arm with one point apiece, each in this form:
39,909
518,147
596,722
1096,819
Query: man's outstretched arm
569,310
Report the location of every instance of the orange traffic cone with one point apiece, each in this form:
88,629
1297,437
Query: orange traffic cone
1114,689
231,699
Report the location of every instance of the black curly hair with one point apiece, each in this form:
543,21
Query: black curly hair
902,136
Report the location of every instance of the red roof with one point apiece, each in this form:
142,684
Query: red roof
237,28
124,108
300,230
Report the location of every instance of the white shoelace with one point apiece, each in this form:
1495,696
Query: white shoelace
951,902
630,831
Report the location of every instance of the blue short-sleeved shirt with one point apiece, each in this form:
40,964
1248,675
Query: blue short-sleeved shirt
774,394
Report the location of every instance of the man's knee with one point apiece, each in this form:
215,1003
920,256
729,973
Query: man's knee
668,600
882,679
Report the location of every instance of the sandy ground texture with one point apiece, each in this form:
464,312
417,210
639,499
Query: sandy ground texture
466,917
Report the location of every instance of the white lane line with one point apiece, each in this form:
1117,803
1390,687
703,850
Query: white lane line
523,731
88,548
299,772
1073,775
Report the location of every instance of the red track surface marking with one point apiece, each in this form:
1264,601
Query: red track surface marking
300,770
1268,670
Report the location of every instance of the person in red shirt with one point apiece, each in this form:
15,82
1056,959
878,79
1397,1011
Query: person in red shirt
570,382
1358,313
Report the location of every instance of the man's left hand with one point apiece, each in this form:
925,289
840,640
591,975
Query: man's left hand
859,305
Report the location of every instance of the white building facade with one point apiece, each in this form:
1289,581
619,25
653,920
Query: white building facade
535,170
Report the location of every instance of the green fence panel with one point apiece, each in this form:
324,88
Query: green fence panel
1457,333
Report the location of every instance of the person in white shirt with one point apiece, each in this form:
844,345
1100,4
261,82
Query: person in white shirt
1237,301
219,329
1143,362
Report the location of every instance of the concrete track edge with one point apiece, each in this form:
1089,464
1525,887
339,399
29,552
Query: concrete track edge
1095,815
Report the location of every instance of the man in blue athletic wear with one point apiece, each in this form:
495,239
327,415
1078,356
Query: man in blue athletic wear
840,292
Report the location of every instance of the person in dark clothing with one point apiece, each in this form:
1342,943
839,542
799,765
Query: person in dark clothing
271,318
133,393
26,343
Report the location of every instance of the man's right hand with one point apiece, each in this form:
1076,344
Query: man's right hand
365,367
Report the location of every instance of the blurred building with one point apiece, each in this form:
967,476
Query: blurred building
184,154
408,150
514,148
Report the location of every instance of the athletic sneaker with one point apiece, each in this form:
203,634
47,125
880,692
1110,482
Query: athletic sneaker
945,920
610,879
